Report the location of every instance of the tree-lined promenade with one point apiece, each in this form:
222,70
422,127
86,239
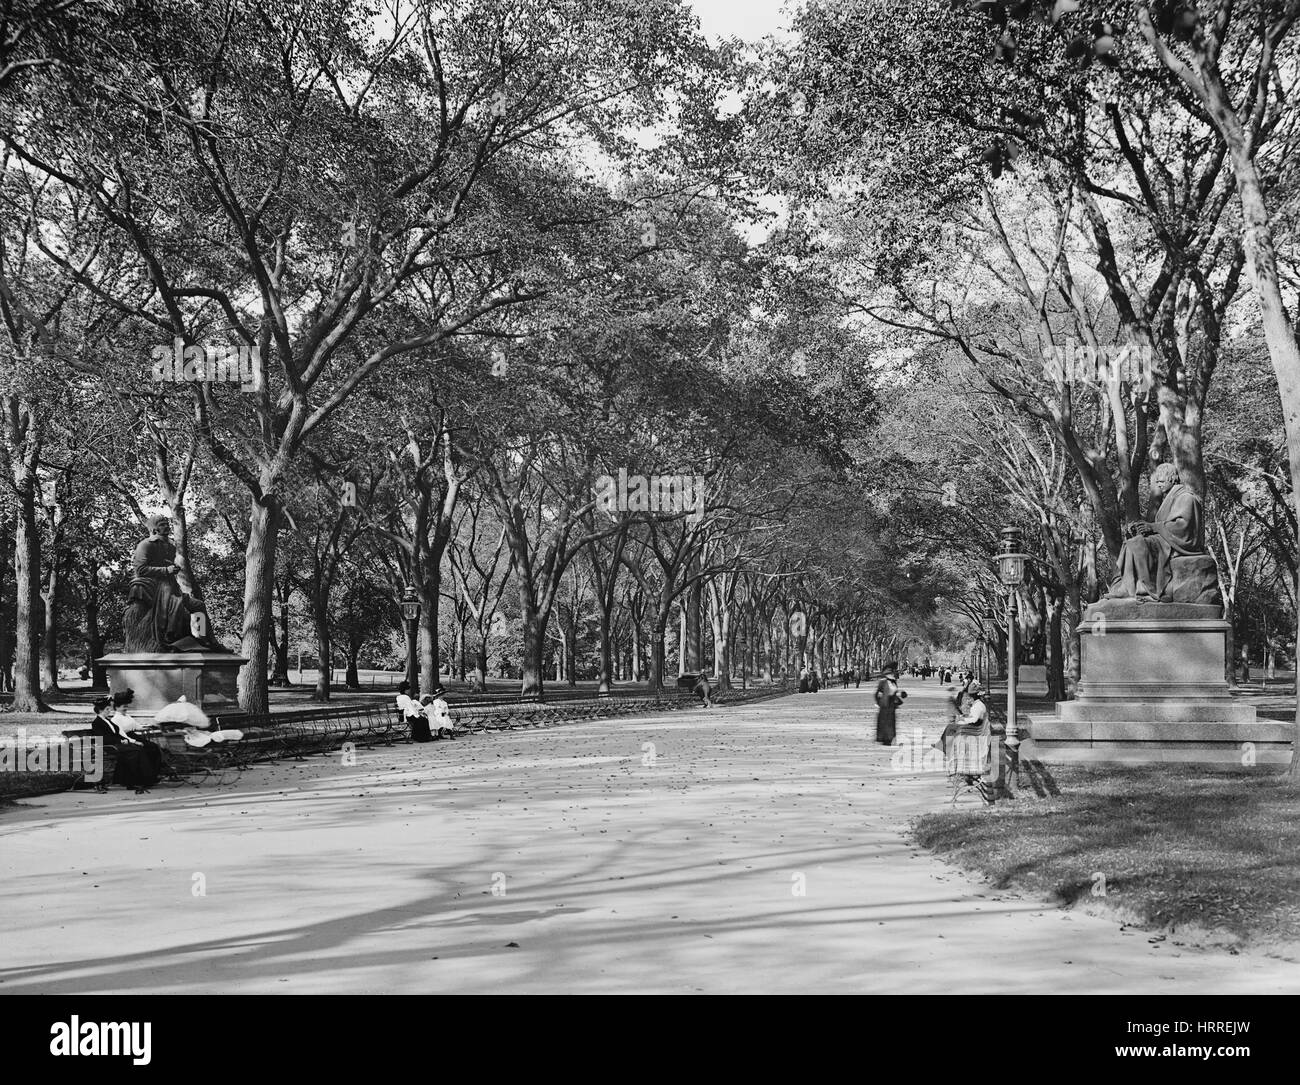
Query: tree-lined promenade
628,352
740,849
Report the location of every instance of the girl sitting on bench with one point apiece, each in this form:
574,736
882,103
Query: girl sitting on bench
438,714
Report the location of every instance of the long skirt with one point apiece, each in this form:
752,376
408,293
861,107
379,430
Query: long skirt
137,766
419,728
885,725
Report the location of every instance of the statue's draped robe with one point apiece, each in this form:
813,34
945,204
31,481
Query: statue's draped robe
1180,523
157,615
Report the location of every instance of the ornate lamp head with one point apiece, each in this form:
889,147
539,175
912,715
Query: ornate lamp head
1011,558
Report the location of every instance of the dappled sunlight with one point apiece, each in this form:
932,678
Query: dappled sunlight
765,848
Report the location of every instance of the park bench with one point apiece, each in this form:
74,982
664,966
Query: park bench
970,759
966,760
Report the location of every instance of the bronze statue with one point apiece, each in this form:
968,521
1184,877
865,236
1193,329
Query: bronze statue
160,615
1164,558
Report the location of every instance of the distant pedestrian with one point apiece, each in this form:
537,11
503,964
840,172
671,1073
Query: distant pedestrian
803,680
888,697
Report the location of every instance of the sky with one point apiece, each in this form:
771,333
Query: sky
746,19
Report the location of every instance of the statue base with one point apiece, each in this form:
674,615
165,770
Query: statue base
1031,680
1153,690
207,679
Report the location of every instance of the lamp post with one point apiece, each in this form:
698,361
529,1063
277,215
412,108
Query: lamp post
411,612
1011,571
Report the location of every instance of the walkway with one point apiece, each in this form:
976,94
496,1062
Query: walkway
657,854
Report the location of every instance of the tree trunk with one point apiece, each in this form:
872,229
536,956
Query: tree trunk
8,603
95,641
324,647
50,639
659,630
27,575
1056,650
683,652
721,645
534,653
259,581
571,651
430,600
692,601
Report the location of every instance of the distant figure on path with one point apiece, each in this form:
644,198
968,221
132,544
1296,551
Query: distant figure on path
888,698
803,680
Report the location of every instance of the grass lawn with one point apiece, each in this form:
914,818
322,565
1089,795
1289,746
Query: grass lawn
1212,854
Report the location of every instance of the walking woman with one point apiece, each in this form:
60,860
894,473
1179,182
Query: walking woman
888,698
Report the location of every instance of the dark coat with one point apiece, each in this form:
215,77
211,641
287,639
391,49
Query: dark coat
887,705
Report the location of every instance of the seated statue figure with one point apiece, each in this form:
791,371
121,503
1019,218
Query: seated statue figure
1164,559
158,611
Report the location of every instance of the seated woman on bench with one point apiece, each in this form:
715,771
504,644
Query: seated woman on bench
413,714
138,762
438,714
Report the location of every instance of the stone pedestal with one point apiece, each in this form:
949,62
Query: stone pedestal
1152,689
207,679
1031,680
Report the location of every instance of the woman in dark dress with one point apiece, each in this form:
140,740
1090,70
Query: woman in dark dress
137,763
888,698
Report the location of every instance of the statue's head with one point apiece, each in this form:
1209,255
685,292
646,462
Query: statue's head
1164,478
159,525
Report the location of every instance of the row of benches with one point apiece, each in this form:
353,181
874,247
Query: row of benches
280,735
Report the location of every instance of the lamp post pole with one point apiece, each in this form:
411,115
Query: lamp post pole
411,612
1011,570
1013,740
